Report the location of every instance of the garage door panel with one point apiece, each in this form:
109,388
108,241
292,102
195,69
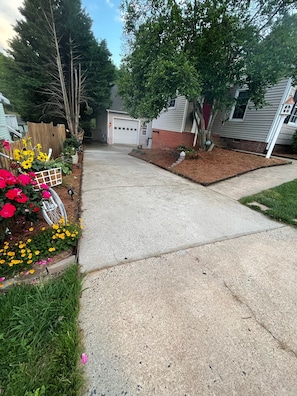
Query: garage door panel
125,131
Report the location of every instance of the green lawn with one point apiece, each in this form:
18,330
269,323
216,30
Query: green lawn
280,203
39,338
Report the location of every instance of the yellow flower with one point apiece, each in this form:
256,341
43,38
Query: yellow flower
62,236
29,261
39,147
32,271
26,164
55,226
31,229
37,252
24,141
2,261
30,255
23,251
42,229
51,249
29,240
1,284
68,233
11,254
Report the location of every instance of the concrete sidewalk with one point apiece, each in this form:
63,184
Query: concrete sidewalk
205,301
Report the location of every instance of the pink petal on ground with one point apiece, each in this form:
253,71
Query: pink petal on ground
84,358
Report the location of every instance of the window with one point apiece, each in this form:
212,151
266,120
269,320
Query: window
292,118
144,129
240,107
171,103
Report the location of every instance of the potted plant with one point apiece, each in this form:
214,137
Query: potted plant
71,146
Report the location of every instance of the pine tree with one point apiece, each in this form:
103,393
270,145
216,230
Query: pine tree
33,68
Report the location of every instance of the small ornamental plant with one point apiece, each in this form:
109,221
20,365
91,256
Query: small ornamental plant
18,197
19,256
30,158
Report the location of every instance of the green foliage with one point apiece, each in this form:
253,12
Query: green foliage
40,342
71,142
294,142
281,202
203,49
16,256
32,66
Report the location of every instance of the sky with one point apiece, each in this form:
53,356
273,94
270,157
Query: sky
107,23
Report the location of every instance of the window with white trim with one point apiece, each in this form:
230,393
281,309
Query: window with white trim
171,103
144,129
292,118
239,109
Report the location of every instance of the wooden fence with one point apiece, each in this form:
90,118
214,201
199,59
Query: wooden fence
47,135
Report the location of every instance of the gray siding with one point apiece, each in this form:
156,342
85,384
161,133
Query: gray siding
257,123
286,134
172,119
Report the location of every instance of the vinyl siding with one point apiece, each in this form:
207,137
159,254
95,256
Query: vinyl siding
257,123
172,119
286,134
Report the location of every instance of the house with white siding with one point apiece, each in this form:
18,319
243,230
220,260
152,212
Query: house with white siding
243,127
116,126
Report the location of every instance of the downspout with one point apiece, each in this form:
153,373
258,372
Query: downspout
274,129
185,115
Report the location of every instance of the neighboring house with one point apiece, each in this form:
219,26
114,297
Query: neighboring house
115,126
4,133
243,127
11,126
246,128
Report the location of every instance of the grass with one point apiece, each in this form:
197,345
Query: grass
281,202
39,338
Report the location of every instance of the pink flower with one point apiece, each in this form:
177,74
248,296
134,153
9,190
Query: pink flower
7,177
2,183
44,186
46,194
2,278
12,194
84,358
24,180
6,144
7,210
22,198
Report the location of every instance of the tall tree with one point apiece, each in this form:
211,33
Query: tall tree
32,59
202,48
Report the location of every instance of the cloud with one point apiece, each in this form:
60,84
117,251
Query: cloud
9,13
110,3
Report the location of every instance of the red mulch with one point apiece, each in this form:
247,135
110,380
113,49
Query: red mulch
210,167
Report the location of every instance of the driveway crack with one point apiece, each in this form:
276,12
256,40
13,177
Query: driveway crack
282,345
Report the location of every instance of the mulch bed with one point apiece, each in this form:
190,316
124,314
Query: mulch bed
210,167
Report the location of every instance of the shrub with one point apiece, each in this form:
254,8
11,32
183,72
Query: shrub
18,196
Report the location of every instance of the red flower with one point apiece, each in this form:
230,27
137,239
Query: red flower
44,186
46,194
22,198
13,193
36,209
7,210
24,180
7,177
2,183
6,145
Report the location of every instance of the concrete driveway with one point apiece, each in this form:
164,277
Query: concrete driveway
186,292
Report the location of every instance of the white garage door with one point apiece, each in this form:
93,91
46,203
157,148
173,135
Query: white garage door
125,131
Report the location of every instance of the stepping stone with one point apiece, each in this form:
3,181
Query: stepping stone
262,207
